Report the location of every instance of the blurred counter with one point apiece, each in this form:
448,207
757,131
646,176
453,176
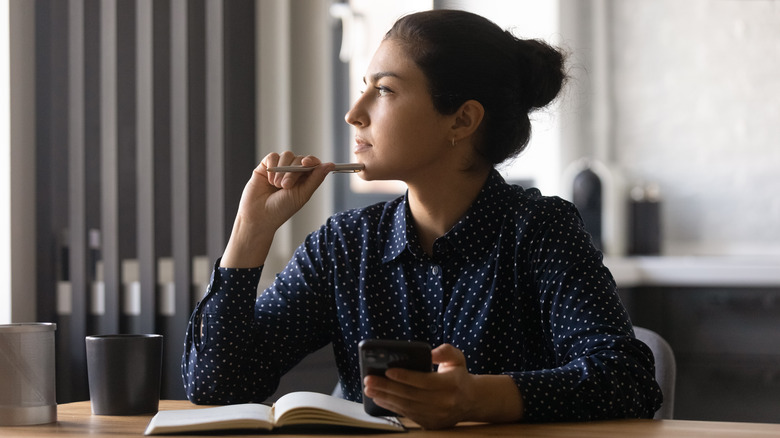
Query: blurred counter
726,271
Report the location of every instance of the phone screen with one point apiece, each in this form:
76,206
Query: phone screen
377,355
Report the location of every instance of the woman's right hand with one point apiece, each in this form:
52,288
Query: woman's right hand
269,199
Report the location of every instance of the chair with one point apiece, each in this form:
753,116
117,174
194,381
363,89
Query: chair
665,368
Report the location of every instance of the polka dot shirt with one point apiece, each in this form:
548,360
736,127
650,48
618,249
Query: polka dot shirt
516,285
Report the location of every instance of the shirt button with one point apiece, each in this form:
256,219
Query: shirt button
435,270
433,328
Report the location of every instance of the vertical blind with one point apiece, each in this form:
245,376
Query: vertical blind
145,138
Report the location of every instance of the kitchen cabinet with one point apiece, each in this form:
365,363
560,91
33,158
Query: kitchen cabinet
721,315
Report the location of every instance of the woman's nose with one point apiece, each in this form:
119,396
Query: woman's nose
356,116
350,118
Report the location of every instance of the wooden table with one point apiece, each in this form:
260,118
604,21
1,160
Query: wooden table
76,420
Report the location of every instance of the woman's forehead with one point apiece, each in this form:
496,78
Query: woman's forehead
391,60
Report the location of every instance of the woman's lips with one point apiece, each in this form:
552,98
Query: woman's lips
361,146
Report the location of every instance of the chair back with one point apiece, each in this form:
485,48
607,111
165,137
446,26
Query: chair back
665,368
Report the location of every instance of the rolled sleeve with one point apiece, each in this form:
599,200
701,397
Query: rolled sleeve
211,373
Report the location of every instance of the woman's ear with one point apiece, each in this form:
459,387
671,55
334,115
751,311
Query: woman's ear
467,119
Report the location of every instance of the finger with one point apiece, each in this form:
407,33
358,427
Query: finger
383,386
411,378
311,181
270,160
447,355
286,158
290,179
310,161
385,391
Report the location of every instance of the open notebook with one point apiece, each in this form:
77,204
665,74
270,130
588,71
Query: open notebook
296,409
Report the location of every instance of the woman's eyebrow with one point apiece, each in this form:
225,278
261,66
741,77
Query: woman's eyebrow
379,75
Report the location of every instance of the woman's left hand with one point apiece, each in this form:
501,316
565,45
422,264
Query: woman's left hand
442,399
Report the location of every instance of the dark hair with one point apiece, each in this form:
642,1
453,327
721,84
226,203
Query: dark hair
465,56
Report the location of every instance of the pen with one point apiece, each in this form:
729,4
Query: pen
340,168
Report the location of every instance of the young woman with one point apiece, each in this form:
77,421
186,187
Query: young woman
504,283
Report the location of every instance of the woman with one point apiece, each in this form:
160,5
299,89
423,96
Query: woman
503,282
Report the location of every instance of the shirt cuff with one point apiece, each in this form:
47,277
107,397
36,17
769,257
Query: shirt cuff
231,291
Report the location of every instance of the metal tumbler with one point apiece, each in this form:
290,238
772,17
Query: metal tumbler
27,374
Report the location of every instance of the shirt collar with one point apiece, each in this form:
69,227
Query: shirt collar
395,220
472,235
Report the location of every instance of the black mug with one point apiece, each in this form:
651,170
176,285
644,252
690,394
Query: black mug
124,373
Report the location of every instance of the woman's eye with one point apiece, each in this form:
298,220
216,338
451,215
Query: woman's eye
383,91
380,90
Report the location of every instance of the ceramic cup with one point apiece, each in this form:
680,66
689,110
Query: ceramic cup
124,373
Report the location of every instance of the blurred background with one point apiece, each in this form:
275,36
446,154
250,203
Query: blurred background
129,128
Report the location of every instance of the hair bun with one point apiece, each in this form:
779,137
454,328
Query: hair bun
542,74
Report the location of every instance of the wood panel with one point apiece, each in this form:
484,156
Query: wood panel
136,142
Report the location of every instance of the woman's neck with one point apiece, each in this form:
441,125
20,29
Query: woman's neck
438,203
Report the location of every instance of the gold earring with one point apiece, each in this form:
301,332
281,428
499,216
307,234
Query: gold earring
453,141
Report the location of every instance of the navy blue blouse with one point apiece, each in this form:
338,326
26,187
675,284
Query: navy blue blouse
516,285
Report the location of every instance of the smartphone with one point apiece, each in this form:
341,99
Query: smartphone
377,355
